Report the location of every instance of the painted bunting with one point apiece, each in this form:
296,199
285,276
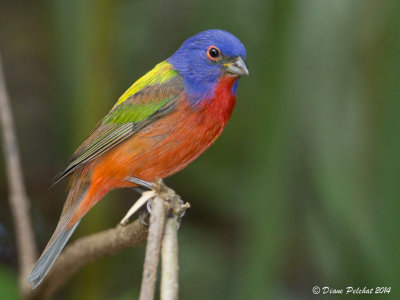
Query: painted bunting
163,122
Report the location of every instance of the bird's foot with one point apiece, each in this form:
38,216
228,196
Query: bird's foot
145,211
148,192
144,215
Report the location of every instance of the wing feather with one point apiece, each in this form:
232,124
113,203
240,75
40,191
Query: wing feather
142,108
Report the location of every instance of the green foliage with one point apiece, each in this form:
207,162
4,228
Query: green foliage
8,284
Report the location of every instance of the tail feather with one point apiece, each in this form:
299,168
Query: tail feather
78,190
48,258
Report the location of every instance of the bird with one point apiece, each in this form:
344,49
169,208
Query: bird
163,122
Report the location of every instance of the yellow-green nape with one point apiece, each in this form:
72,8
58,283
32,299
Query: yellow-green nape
160,74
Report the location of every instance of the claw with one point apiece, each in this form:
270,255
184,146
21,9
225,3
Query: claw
143,213
148,205
183,212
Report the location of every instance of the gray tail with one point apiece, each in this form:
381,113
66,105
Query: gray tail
48,258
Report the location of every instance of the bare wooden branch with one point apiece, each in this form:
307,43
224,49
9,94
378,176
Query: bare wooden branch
165,233
18,198
87,250
169,255
152,256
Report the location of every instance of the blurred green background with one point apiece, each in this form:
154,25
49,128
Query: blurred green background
302,189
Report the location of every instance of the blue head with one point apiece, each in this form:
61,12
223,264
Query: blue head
206,57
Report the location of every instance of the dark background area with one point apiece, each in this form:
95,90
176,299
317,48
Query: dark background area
302,188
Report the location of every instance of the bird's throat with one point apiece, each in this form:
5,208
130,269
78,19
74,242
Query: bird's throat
223,101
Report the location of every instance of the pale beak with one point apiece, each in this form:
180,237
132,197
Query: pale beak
238,67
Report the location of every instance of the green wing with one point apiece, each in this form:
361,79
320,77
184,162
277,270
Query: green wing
148,99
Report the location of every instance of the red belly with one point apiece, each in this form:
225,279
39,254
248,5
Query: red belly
160,150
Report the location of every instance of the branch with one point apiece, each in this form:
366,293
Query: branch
87,250
112,241
166,209
169,253
152,257
18,198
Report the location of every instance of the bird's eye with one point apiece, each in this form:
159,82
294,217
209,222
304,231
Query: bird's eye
213,53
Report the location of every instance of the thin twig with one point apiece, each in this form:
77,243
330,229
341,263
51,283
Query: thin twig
165,234
152,256
17,193
169,254
87,250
